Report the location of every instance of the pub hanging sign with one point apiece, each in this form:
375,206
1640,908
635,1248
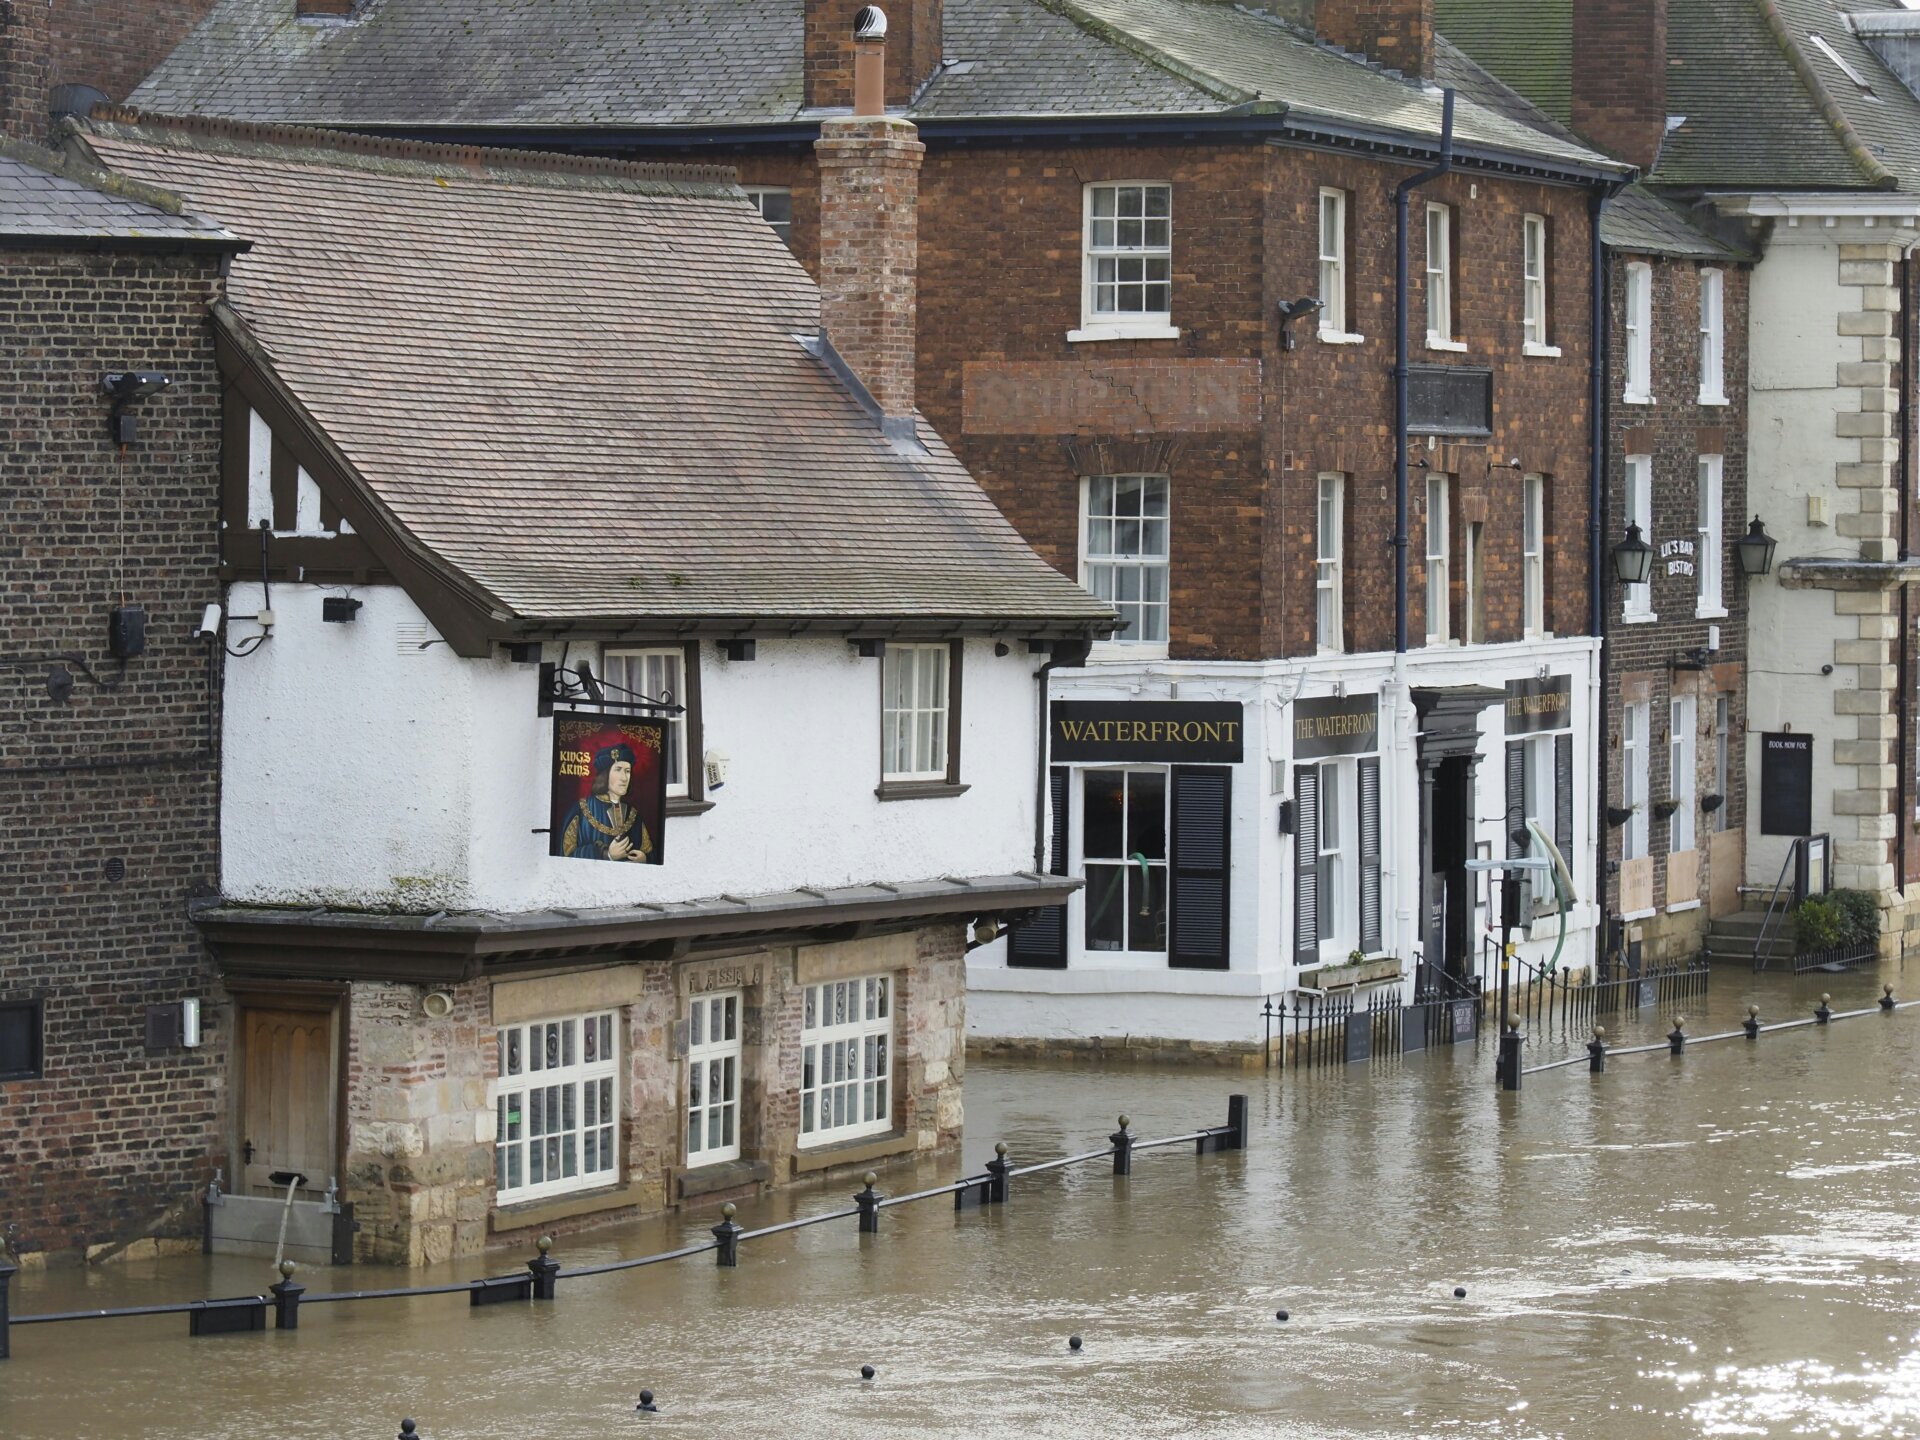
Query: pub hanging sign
1536,705
1167,732
609,788
1336,725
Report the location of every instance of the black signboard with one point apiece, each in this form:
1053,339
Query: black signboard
609,788
1166,732
1449,400
1337,725
1786,784
1536,705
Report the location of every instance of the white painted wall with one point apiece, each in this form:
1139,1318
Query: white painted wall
364,772
1109,996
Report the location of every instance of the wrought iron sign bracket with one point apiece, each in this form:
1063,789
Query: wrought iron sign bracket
578,685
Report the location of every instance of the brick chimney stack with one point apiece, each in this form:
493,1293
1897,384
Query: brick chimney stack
912,52
869,229
26,61
307,9
1395,33
1621,106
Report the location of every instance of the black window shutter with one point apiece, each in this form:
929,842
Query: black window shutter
1369,770
1198,862
1306,865
1041,943
1563,796
1516,822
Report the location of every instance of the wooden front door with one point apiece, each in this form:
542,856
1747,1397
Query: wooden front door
287,1114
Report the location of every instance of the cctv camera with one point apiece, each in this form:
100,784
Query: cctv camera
128,385
209,622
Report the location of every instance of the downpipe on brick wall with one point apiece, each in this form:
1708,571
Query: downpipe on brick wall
1401,195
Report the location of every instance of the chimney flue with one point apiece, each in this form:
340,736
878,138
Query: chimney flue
870,61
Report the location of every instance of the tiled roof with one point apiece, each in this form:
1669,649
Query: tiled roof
692,63
1527,43
580,385
1640,221
45,196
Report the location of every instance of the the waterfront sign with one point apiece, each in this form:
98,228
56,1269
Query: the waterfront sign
1168,732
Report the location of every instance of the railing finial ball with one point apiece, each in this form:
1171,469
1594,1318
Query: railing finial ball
1753,1010
287,1267
870,1177
1000,1148
728,1210
1124,1122
1599,1032
543,1244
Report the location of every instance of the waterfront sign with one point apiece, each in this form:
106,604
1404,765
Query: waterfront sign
1536,705
1167,732
1336,725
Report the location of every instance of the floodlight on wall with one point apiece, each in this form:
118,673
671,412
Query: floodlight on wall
1755,550
125,388
1633,558
1292,310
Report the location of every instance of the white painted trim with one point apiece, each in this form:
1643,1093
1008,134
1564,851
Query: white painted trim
1776,205
1340,337
1693,904
1640,914
1124,330
1457,347
1540,352
1711,612
1642,618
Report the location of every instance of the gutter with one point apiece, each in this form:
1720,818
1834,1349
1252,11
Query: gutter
1402,193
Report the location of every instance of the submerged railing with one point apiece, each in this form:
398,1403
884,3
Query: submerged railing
285,1298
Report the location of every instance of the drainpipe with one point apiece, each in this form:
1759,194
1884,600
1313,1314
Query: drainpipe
1400,286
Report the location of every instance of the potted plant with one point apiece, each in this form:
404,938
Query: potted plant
1618,815
1711,803
1665,808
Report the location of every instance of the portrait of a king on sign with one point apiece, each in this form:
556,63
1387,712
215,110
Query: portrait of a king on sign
609,788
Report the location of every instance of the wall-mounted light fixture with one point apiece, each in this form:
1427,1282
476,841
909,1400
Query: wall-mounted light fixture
125,388
1632,558
1292,310
737,647
1755,550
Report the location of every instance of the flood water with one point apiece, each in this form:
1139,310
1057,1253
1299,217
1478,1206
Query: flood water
1725,1244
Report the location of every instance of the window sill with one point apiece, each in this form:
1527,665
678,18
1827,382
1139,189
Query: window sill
526,1213
1341,337
1710,612
681,805
1124,330
1629,398
1539,352
1452,347
1116,651
918,790
1640,914
1640,618
1714,400
718,1175
851,1152
1683,906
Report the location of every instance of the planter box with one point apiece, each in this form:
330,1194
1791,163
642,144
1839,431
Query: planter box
1340,977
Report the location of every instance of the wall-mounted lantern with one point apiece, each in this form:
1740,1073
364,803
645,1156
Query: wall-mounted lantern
1633,558
1755,550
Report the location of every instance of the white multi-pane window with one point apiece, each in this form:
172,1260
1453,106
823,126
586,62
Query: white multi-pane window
1637,504
1124,850
1339,909
1713,379
1129,257
1639,386
1440,276
1328,589
846,1060
1707,562
1635,720
1473,585
775,204
1722,758
1333,264
557,1107
1439,570
1533,562
1534,329
713,1078
1125,552
913,720
654,674
1680,778
1538,799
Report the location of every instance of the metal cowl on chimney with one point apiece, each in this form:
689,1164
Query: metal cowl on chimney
870,61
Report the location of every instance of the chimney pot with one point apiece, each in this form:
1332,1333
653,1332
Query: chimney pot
870,61
308,9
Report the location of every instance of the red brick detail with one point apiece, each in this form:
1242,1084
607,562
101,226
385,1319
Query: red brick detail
26,51
1117,397
111,45
305,8
869,242
1620,93
913,49
1395,33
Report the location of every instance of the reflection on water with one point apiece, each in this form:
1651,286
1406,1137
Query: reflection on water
1726,1244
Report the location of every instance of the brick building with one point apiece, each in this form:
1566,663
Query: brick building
1116,199
67,55
109,708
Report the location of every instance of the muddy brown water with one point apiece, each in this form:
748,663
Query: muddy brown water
1727,1244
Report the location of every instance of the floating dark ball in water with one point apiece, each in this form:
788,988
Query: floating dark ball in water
1281,1315
646,1403
866,1372
1073,1342
1459,1292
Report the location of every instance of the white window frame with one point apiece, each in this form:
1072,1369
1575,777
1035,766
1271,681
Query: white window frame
1328,575
847,1061
716,1055
1440,317
1538,801
594,1087
758,194
1636,720
1710,601
1534,269
1639,314
1473,584
1636,502
1336,325
1157,875
657,672
1135,581
915,720
1115,324
1533,562
1682,782
1439,559
1338,901
1713,327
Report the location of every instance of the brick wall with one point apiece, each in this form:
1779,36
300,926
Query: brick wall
1620,102
1675,431
1395,33
111,45
113,1140
913,48
868,268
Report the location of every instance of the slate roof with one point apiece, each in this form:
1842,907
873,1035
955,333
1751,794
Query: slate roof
45,197
1528,43
580,384
707,63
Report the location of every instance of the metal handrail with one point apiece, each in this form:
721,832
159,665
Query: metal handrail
1779,885
1666,1046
